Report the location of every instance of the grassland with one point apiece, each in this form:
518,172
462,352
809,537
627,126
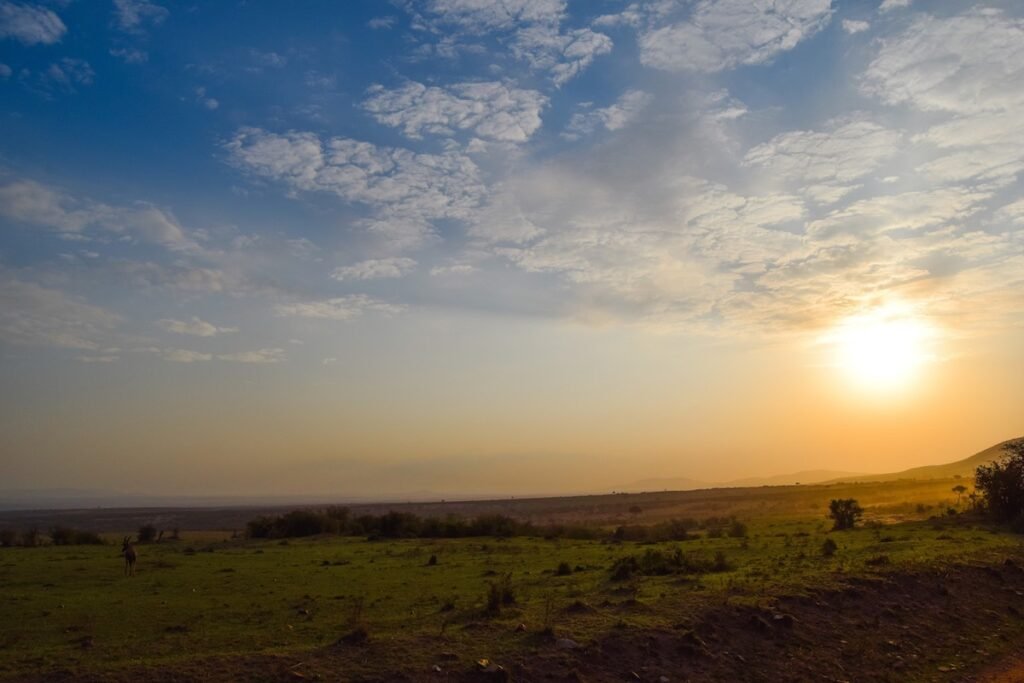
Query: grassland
208,598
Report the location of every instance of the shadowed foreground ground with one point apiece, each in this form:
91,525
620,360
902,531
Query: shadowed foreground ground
952,624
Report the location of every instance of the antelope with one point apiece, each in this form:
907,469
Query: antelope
128,550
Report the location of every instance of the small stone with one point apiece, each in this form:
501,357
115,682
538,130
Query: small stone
437,669
566,644
520,628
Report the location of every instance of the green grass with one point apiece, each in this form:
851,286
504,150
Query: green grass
236,597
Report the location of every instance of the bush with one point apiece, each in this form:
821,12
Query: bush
62,535
737,529
147,533
564,569
829,547
1001,484
844,512
30,539
8,537
661,563
500,594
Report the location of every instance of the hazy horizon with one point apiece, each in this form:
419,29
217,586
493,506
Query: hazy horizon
505,247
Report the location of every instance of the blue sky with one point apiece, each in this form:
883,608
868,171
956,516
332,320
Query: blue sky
305,199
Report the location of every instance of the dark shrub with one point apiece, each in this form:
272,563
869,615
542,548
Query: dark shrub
500,594
62,535
564,569
1001,484
660,563
8,537
30,538
844,512
737,529
829,547
432,561
147,533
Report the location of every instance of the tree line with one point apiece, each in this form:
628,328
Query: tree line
340,521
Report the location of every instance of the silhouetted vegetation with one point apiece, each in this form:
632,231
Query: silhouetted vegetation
62,535
391,525
1001,486
147,533
844,513
8,538
655,562
829,547
500,594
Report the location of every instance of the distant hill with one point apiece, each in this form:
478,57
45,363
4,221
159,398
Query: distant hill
685,484
963,468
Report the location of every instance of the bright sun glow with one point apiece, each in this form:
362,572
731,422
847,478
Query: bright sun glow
884,349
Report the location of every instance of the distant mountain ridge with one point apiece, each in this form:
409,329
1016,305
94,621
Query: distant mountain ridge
962,468
686,484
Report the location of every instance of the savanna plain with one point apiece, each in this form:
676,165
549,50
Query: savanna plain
720,584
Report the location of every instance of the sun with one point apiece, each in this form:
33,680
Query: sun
884,349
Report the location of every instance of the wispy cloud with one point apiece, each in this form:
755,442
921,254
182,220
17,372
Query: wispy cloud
30,24
194,326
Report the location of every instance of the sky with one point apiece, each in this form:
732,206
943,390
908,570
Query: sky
505,247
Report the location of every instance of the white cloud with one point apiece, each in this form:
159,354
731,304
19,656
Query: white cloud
31,203
375,269
488,15
185,356
59,77
132,15
195,327
454,269
824,164
5,71
889,5
338,308
971,67
130,55
964,64
398,184
722,34
613,117
905,211
378,23
33,315
563,54
30,24
493,111
853,26
202,98
258,357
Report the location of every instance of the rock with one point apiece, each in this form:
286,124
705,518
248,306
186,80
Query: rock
786,620
521,628
662,679
566,644
437,669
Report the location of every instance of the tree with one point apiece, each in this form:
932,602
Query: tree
844,512
1001,484
959,490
